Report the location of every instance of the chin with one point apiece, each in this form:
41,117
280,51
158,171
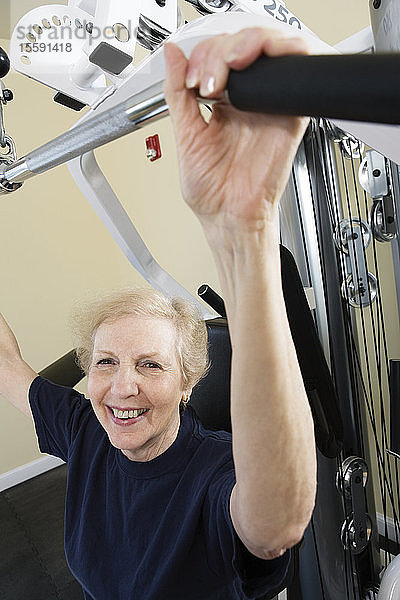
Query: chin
120,443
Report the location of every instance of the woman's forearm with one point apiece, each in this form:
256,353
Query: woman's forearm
233,171
273,436
16,375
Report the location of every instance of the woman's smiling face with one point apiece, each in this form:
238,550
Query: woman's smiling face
135,384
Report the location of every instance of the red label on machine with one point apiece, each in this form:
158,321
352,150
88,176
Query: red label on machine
153,147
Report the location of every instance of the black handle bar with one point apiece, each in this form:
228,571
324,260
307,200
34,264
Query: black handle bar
359,87
4,63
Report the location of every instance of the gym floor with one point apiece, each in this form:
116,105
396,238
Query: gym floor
32,559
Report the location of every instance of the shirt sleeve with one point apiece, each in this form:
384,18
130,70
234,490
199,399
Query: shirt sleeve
253,578
58,413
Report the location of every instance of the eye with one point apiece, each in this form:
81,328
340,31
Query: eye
105,362
148,364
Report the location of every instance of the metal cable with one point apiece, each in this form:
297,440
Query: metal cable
320,165
377,348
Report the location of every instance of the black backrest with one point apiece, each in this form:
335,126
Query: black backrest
211,397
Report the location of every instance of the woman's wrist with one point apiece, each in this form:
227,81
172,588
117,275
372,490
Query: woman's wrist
248,266
227,232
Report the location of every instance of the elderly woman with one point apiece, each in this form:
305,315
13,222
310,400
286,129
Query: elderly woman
157,507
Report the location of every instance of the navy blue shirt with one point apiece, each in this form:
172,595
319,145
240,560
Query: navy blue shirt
156,530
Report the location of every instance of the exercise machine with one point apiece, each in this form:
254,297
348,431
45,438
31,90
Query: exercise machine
341,555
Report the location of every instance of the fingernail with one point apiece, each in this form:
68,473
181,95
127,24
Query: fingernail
207,86
192,79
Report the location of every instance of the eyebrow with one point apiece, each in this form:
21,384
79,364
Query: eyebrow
152,354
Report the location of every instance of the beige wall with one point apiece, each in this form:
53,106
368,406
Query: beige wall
53,248
332,21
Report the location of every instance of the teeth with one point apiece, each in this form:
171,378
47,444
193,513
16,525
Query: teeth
128,414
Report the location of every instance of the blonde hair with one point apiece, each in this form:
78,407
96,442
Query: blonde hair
192,342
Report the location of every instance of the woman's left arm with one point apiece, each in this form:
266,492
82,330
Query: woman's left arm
233,172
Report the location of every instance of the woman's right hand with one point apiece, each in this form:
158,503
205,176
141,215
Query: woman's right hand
235,167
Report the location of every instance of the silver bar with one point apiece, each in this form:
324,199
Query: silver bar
17,172
142,108
110,125
139,110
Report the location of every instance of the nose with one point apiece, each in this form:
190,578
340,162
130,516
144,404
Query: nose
125,382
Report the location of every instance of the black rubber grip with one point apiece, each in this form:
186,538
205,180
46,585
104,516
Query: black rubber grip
212,298
359,87
4,63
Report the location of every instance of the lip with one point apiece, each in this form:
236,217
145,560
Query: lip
125,422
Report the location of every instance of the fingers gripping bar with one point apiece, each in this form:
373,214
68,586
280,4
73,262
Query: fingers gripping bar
355,87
